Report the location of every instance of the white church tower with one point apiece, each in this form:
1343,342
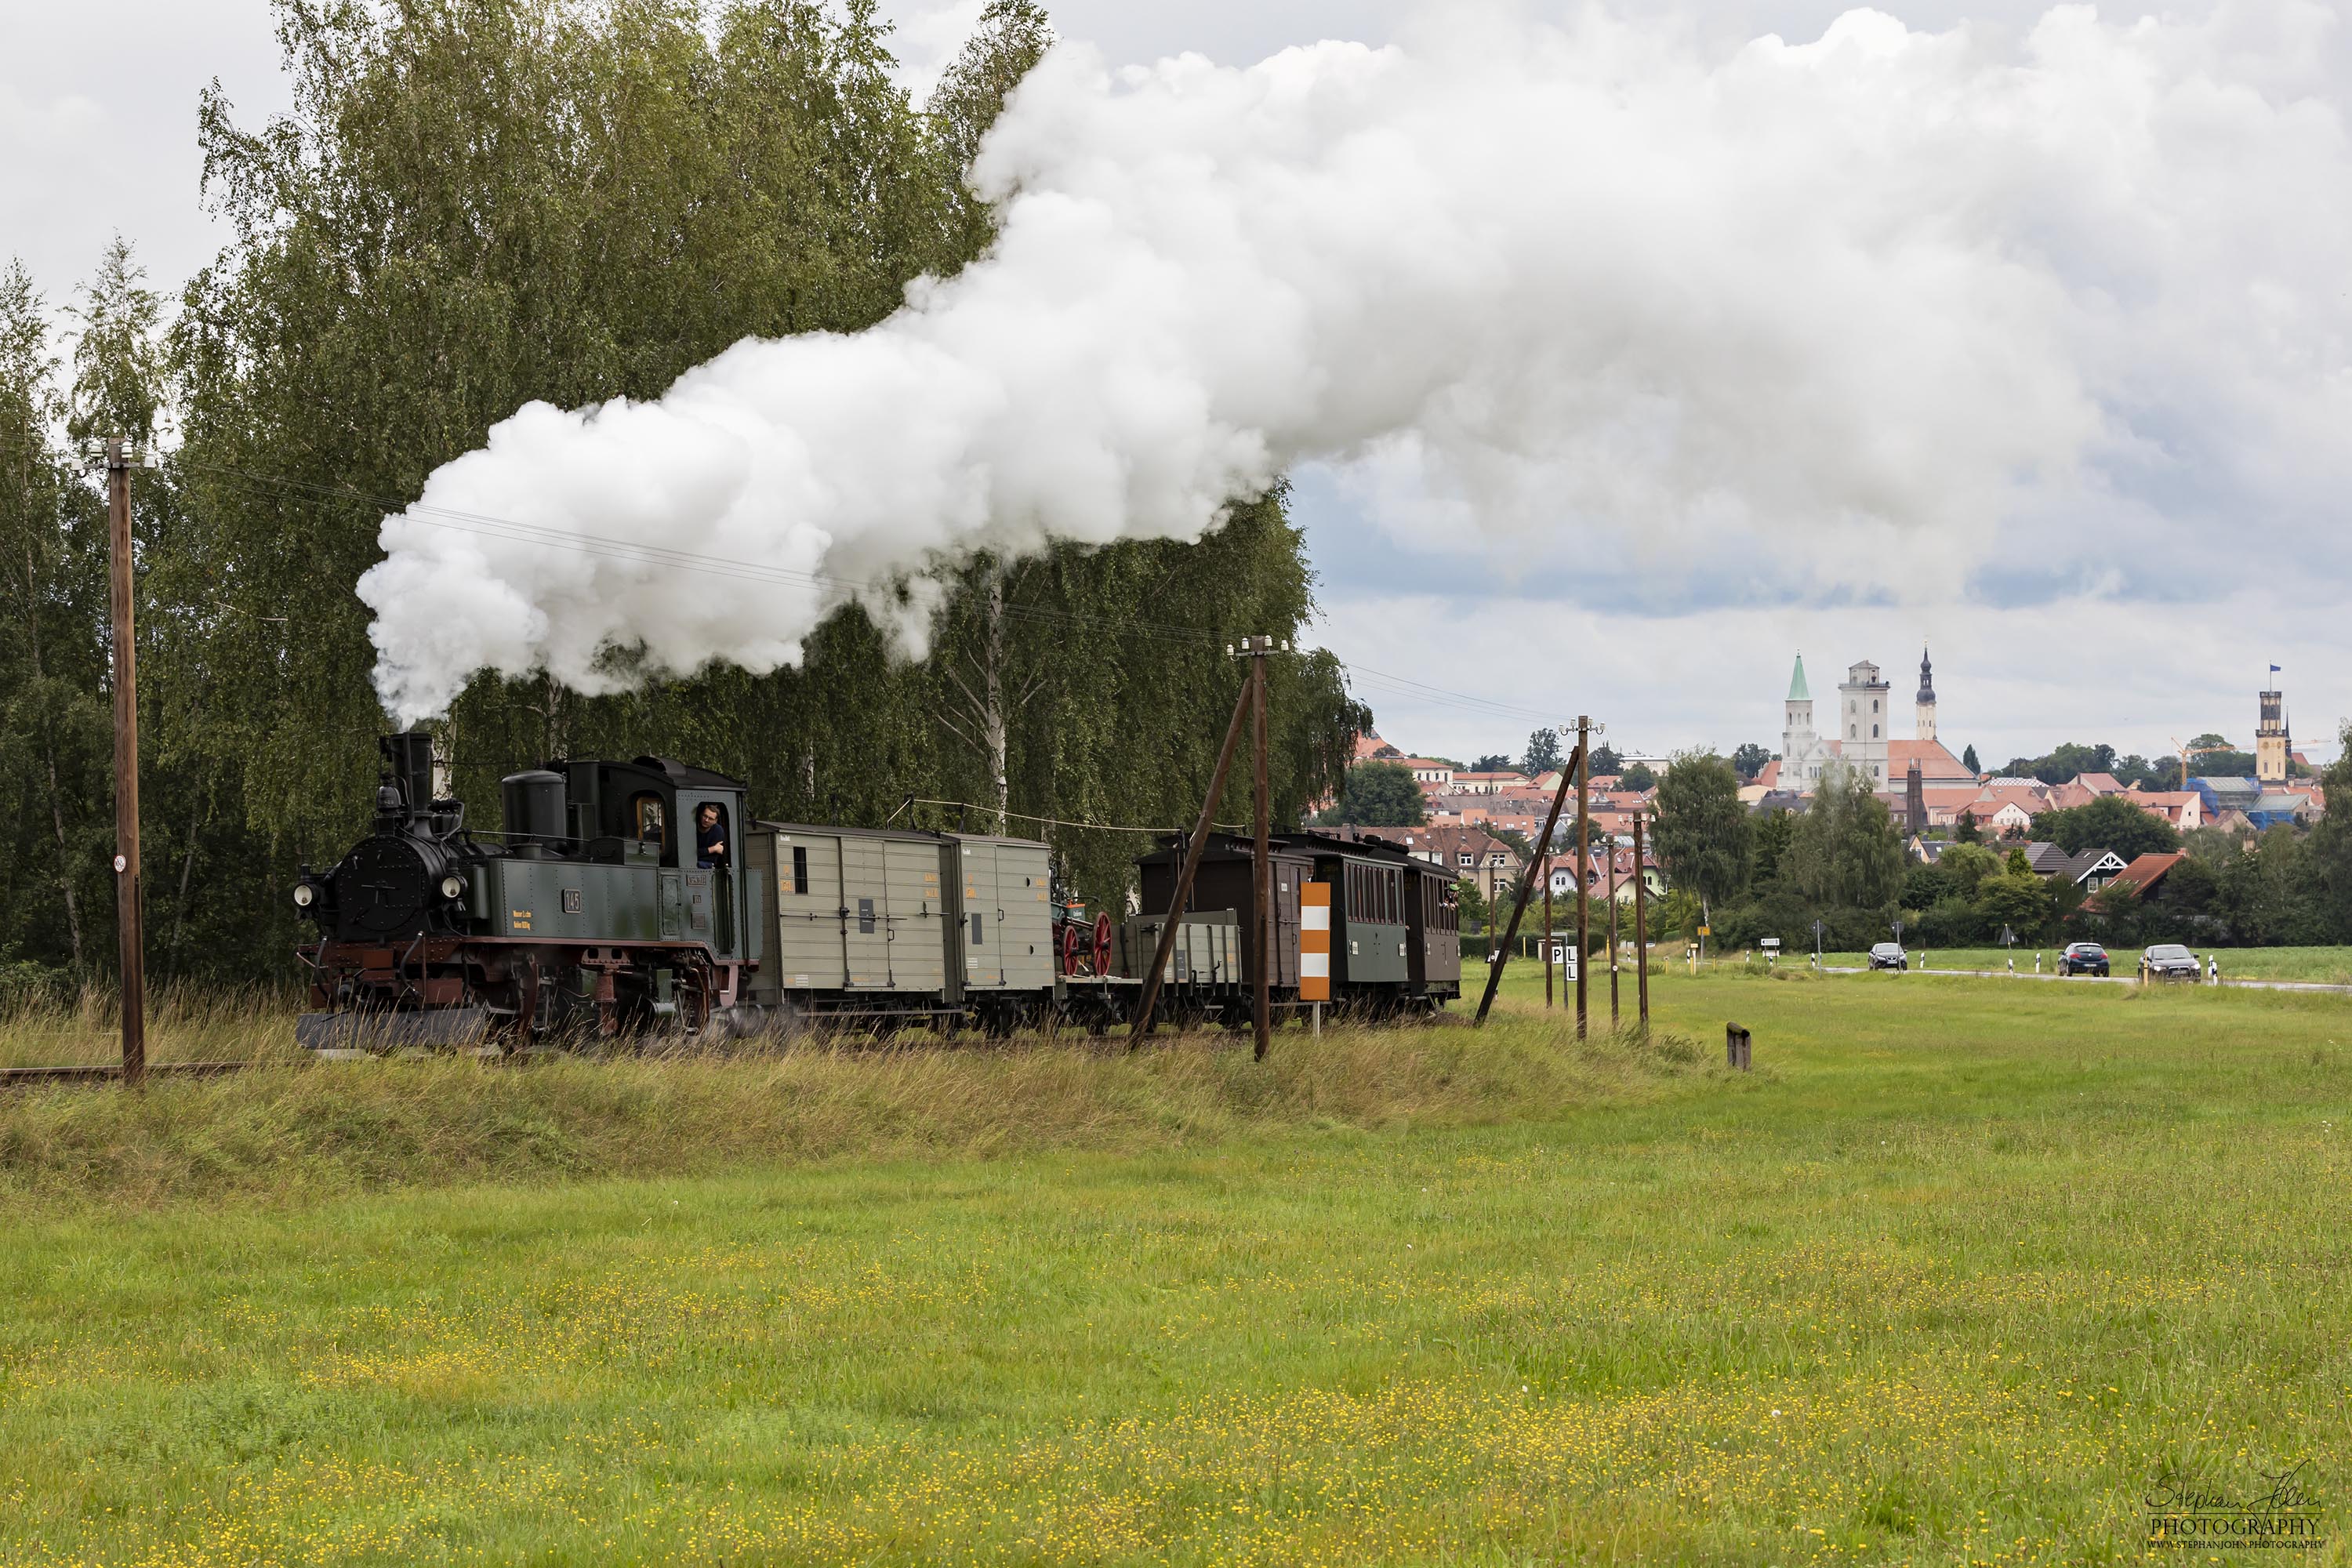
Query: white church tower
1800,747
1863,698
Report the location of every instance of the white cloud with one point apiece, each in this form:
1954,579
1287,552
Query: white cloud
1871,317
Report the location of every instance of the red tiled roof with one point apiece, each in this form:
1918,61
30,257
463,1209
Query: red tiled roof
2145,872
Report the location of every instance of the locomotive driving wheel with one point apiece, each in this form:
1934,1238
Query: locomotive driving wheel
1102,942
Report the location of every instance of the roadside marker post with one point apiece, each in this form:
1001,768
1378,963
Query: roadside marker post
1315,950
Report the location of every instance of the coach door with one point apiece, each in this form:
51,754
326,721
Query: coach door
865,913
984,916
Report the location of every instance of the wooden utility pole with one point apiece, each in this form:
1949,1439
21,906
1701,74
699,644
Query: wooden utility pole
1641,924
130,937
1613,1020
1262,893
1547,935
1502,955
1149,1000
1584,728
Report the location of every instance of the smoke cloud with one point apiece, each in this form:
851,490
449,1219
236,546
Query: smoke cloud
1887,279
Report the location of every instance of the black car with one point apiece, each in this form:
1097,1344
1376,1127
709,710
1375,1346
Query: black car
1889,955
2169,960
2082,958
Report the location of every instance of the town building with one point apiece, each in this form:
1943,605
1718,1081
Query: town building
2273,744
1862,713
1923,722
1801,751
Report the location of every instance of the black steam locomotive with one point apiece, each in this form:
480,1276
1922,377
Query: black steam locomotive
628,897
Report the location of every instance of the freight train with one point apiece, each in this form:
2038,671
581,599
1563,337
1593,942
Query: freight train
624,898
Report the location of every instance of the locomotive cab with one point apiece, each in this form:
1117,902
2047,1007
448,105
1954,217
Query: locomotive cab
590,909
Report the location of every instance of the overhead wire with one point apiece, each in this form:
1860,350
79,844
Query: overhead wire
670,556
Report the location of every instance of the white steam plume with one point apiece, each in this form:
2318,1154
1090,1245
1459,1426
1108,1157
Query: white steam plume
1888,276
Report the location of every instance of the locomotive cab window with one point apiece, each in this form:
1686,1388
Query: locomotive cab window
645,814
712,849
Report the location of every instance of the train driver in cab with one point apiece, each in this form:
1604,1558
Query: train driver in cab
710,837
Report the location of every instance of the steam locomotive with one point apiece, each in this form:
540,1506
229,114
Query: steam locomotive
623,898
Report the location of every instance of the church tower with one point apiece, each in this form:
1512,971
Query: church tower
1800,748
1864,697
1927,708
2271,740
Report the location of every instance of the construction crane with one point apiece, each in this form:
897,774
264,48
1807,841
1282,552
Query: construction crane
2186,752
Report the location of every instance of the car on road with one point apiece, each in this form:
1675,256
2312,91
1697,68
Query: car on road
2082,958
1889,955
2169,960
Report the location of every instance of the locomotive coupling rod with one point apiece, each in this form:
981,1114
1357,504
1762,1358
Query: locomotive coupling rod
1526,885
1150,999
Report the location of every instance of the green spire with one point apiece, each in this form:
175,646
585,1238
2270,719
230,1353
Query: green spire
1797,692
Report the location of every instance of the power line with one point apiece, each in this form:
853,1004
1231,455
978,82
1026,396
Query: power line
638,553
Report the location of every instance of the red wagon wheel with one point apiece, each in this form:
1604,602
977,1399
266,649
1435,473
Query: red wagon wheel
1069,949
1102,944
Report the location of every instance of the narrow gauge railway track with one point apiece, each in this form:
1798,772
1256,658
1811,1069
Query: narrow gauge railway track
102,1072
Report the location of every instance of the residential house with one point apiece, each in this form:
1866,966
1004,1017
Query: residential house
2144,876
1489,783
1427,771
1470,853
1999,819
2047,859
2182,808
2094,868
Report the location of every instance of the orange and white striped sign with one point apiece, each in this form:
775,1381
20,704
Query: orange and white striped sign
1315,941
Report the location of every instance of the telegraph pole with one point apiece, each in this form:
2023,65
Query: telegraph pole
1547,935
1144,1018
1613,1022
1584,730
129,938
1641,922
1262,893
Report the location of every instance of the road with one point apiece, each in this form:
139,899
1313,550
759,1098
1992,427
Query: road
2107,979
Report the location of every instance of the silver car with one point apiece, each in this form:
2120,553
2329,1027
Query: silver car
2169,960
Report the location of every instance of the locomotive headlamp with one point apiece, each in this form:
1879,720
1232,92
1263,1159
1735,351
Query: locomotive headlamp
305,895
453,886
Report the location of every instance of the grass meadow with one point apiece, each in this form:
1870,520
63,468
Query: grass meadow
1958,1274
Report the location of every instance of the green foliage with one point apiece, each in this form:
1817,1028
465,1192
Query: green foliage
1492,763
2017,898
1637,777
1542,754
2111,822
1749,761
1606,762
1774,832
1845,853
477,203
1378,794
1968,761
1471,903
1703,836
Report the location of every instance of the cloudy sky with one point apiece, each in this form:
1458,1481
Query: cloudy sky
2138,595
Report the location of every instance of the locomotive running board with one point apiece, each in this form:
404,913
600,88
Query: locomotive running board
370,1034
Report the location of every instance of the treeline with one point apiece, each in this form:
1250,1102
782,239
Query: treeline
1841,862
478,203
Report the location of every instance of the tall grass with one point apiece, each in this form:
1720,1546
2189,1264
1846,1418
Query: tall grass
290,1128
41,1028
